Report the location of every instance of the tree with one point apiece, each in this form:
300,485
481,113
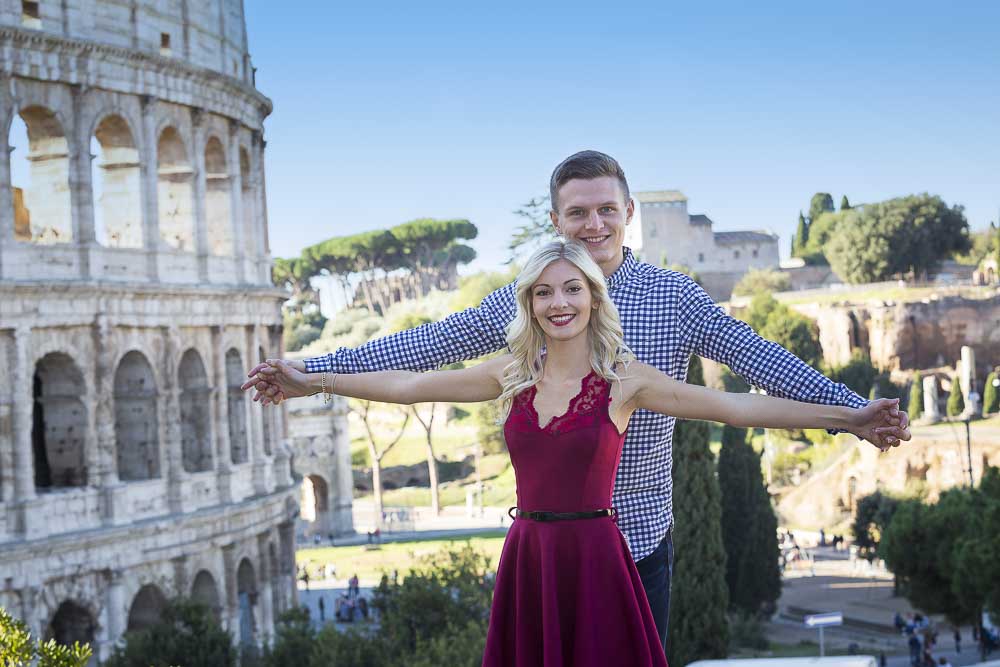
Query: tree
859,374
871,518
820,230
431,247
915,406
907,236
844,204
699,598
801,237
363,410
186,634
536,227
991,397
19,649
762,280
777,322
749,527
956,402
820,203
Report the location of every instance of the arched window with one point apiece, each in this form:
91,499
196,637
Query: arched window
246,592
39,167
117,185
147,608
136,422
175,192
237,407
71,623
59,425
205,591
217,197
196,432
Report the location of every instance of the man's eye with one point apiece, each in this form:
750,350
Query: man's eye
576,214
607,209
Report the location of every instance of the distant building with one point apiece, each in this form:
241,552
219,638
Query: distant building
663,232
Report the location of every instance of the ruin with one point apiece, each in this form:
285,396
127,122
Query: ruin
135,291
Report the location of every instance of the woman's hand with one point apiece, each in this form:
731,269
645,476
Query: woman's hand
881,423
276,380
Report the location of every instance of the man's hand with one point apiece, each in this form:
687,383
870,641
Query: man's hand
278,379
882,423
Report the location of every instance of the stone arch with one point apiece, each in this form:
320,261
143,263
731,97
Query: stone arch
196,429
315,503
854,330
117,184
175,191
246,596
71,623
268,418
237,407
147,608
59,424
205,591
247,204
217,199
136,422
40,177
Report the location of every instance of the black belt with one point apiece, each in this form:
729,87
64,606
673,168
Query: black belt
515,513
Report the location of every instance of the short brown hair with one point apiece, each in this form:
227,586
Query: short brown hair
586,165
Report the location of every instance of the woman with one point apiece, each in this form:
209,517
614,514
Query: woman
567,591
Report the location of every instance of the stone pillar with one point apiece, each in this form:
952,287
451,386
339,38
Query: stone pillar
261,261
223,452
170,420
200,223
113,510
256,422
236,201
117,620
182,587
286,554
967,372
264,588
931,413
24,469
149,171
342,484
231,616
81,186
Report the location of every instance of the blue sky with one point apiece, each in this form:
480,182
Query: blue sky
385,112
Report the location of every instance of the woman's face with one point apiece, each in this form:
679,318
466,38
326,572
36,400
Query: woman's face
561,301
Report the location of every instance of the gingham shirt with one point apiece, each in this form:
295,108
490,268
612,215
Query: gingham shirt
666,317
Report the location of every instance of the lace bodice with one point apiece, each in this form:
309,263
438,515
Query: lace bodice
570,463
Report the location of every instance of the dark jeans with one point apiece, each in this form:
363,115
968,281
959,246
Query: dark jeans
655,570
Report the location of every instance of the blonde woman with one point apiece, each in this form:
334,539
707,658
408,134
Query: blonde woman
567,590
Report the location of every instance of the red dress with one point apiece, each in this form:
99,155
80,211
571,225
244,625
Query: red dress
567,592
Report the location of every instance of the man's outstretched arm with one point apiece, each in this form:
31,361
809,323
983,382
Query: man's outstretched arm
762,363
468,334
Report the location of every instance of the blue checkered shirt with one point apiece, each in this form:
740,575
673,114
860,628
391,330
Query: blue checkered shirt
667,317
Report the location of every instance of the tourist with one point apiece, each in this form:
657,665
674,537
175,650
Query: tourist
322,610
666,318
567,411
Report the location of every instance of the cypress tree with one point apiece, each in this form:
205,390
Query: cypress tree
749,527
991,397
915,406
698,628
956,402
801,237
844,204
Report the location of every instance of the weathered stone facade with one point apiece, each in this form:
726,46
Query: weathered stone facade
134,294
662,229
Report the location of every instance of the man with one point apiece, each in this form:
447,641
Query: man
666,318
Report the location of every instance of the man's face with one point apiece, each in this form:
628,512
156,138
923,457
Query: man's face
594,212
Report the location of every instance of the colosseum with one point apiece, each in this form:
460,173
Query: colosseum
134,292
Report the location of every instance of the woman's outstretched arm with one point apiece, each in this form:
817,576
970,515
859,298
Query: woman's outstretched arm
878,422
466,385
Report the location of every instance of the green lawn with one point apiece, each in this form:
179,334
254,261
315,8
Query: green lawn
401,556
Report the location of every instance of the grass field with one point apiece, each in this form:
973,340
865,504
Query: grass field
369,565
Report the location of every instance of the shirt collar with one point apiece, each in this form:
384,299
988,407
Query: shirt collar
624,271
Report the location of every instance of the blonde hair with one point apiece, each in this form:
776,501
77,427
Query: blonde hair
526,339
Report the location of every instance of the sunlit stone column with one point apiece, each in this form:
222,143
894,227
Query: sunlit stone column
150,191
24,469
220,390
198,160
